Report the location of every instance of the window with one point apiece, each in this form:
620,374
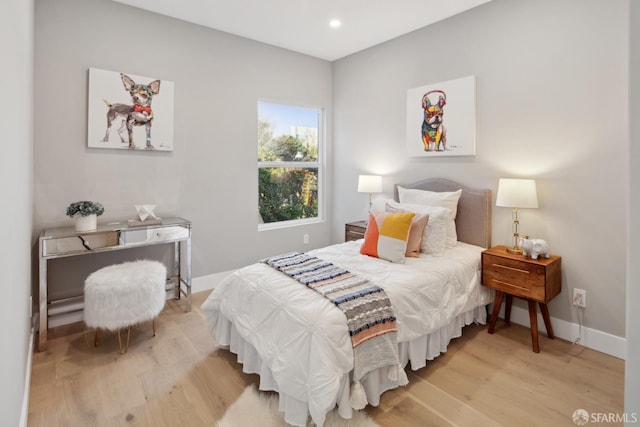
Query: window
289,165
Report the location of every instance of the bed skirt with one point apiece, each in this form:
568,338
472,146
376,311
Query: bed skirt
296,411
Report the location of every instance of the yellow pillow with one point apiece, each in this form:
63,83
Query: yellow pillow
387,235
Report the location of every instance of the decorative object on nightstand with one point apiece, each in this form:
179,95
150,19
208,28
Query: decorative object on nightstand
370,184
86,214
517,194
534,247
534,280
354,230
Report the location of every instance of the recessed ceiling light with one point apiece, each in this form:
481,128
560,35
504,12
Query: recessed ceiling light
335,23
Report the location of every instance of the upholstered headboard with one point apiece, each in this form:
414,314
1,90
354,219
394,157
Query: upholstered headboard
473,221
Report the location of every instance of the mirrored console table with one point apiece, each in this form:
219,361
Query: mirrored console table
67,242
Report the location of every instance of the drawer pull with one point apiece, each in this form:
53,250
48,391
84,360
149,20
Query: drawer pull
512,268
510,284
356,233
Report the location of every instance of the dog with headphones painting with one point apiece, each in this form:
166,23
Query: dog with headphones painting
434,134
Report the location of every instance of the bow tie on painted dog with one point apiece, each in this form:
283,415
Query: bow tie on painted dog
142,109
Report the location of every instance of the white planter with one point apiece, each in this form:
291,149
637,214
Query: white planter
86,223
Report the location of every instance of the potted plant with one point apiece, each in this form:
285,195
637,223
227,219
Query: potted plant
85,213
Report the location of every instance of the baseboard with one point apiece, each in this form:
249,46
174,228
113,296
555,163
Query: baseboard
207,283
591,338
24,413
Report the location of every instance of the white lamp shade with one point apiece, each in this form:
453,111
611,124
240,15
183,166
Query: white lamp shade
369,184
517,193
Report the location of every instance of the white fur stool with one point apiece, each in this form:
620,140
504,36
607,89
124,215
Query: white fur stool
122,295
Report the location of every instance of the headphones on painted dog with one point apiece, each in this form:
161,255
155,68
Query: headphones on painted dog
442,101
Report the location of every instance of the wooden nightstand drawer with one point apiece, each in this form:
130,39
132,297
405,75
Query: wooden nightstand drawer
520,276
354,230
514,277
511,275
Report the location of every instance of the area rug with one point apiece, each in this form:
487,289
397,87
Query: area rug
254,408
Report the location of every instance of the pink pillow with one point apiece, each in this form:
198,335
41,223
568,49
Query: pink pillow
416,231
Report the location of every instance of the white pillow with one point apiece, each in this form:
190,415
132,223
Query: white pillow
446,199
434,238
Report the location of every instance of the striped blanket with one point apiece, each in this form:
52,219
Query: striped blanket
370,318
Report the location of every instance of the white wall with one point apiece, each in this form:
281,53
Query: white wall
632,366
552,104
211,176
16,113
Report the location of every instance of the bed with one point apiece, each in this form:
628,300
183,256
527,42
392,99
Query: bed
297,341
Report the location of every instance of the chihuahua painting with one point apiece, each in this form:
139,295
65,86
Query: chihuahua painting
434,134
138,113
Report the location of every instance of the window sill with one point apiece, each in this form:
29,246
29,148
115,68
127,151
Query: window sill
289,224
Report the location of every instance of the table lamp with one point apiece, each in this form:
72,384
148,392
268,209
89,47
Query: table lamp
516,194
370,184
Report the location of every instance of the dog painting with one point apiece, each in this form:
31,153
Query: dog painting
135,106
432,133
138,113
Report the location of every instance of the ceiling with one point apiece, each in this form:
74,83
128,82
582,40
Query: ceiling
303,25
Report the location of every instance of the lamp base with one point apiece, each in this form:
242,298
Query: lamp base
515,250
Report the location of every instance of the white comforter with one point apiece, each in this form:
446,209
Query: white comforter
303,338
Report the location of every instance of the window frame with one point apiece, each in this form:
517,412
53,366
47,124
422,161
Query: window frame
319,164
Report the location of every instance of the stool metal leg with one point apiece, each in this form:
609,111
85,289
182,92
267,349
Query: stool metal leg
95,339
120,343
153,324
127,343
128,336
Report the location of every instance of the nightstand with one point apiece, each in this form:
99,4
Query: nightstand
354,230
534,280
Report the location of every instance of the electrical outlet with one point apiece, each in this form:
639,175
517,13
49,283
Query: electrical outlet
579,298
305,239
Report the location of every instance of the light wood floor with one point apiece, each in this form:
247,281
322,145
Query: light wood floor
178,379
